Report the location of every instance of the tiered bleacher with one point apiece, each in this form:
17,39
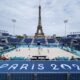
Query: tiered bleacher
66,41
4,47
51,40
40,40
2,41
5,34
14,41
77,47
71,43
28,40
77,44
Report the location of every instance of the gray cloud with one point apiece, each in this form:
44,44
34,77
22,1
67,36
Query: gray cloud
54,12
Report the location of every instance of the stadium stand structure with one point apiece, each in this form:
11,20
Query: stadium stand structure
40,40
28,40
14,41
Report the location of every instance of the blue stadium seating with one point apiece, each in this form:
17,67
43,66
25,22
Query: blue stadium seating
2,40
65,41
4,46
5,34
41,40
28,40
77,47
51,40
14,40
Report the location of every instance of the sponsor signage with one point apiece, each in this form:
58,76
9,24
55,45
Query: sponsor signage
39,66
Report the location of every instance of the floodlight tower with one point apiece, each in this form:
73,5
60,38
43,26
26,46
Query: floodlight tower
65,22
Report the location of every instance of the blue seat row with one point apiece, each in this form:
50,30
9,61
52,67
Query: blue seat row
14,40
28,40
41,40
51,40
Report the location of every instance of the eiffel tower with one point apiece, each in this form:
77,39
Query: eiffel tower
39,33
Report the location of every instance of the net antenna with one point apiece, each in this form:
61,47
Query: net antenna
39,2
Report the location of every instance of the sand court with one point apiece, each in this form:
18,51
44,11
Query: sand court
49,52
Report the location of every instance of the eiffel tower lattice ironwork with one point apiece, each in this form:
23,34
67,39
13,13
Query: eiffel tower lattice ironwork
39,32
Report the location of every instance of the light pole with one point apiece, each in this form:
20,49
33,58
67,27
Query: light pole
14,21
65,22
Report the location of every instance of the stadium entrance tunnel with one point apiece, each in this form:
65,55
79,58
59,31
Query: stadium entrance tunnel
40,76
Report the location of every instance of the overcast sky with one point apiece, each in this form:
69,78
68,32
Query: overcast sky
54,12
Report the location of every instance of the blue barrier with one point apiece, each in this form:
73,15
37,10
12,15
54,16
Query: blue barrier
39,66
